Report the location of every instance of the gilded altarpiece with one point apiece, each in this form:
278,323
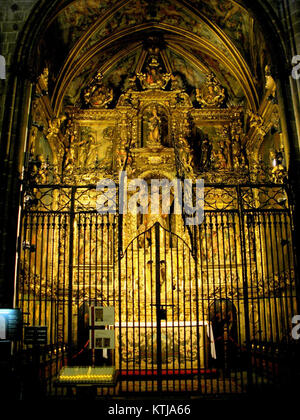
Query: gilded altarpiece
160,274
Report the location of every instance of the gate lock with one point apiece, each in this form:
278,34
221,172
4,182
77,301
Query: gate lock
162,313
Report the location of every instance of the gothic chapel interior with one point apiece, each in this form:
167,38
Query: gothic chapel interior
164,90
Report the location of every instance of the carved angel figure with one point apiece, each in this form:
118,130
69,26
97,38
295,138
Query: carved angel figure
54,126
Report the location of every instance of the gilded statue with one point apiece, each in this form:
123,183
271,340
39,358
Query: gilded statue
86,154
184,151
39,169
121,158
239,159
236,154
54,126
187,163
96,95
206,152
279,173
211,94
270,82
257,122
221,156
44,78
183,143
154,125
69,159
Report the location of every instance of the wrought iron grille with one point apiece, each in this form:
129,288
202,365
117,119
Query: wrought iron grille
208,312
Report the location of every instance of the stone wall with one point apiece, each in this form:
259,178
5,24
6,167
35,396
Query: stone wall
13,15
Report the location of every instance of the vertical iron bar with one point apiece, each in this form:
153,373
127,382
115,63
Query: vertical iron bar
184,311
152,279
158,307
119,255
211,230
166,302
70,285
248,223
204,340
172,303
35,267
108,250
63,284
79,253
228,366
52,329
224,344
131,306
41,268
269,292
91,298
273,275
279,298
178,308
245,286
236,237
126,316
145,303
264,297
191,312
229,255
208,294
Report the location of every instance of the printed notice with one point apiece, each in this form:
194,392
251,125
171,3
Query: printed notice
102,339
101,316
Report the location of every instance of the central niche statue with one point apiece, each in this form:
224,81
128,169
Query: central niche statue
154,125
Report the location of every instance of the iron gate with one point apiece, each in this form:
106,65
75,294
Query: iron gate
207,313
160,325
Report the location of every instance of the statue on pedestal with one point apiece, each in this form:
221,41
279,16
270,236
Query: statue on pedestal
154,125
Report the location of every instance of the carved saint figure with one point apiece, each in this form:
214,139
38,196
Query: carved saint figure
236,154
279,173
54,126
40,169
221,156
86,152
206,150
186,156
69,159
154,125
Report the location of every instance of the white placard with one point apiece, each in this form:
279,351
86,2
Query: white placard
2,327
102,339
103,315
